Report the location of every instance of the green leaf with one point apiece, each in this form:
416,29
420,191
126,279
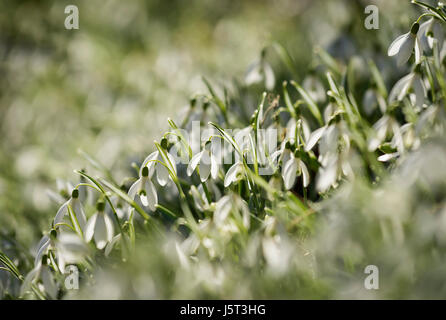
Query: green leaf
310,103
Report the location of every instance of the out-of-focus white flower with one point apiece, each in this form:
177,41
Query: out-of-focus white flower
334,146
71,249
41,271
112,243
152,161
403,46
235,204
412,80
293,167
315,89
259,71
206,161
144,188
234,174
382,127
430,31
200,200
76,205
371,100
99,227
278,253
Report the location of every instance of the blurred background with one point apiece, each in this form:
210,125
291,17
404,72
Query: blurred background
109,87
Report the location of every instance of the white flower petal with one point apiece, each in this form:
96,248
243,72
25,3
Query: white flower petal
149,163
205,166
232,174
305,173
400,88
111,244
162,174
222,209
289,173
79,212
60,215
270,79
420,91
43,248
89,228
214,167
152,197
134,189
193,163
405,50
101,234
395,46
172,164
314,138
326,177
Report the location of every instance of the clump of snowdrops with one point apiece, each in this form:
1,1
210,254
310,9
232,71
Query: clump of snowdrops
354,178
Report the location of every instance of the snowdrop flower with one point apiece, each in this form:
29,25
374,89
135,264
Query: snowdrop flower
293,167
200,200
43,272
99,227
152,162
382,127
292,130
371,100
207,163
144,188
260,71
314,87
235,204
71,249
412,80
430,31
334,146
403,46
234,174
76,206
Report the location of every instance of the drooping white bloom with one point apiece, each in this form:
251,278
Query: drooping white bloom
315,89
71,249
235,204
200,200
144,188
207,163
412,80
99,227
152,161
314,137
382,127
430,31
234,174
41,271
76,206
371,100
403,46
260,71
293,167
